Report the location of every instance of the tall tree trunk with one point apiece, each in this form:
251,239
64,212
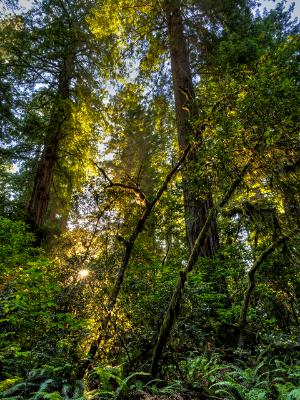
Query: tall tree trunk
197,202
197,197
38,204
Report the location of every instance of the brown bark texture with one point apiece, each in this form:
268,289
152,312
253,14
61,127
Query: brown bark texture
197,198
39,200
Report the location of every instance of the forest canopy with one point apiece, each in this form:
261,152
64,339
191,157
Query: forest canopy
150,200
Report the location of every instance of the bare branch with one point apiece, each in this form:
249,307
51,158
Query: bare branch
134,189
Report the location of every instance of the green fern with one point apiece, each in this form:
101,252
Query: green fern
43,388
47,396
78,391
288,391
16,390
227,388
123,386
294,394
8,383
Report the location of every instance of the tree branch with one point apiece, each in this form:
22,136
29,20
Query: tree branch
128,244
251,285
135,189
174,304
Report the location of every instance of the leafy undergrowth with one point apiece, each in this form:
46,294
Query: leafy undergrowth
265,377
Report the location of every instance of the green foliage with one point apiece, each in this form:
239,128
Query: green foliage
287,391
260,381
28,279
249,377
200,370
47,382
112,385
15,242
30,288
116,147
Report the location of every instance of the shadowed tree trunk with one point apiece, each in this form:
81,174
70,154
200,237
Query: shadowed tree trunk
198,199
38,204
197,202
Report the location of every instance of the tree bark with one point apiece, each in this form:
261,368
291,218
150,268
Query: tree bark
38,204
197,201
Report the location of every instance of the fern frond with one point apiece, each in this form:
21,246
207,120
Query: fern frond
16,389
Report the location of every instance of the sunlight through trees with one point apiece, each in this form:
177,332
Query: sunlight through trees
150,202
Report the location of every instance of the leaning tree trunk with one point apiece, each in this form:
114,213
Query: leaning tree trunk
172,311
86,364
38,204
251,286
197,202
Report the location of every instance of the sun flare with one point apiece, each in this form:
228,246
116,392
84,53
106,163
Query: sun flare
83,273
